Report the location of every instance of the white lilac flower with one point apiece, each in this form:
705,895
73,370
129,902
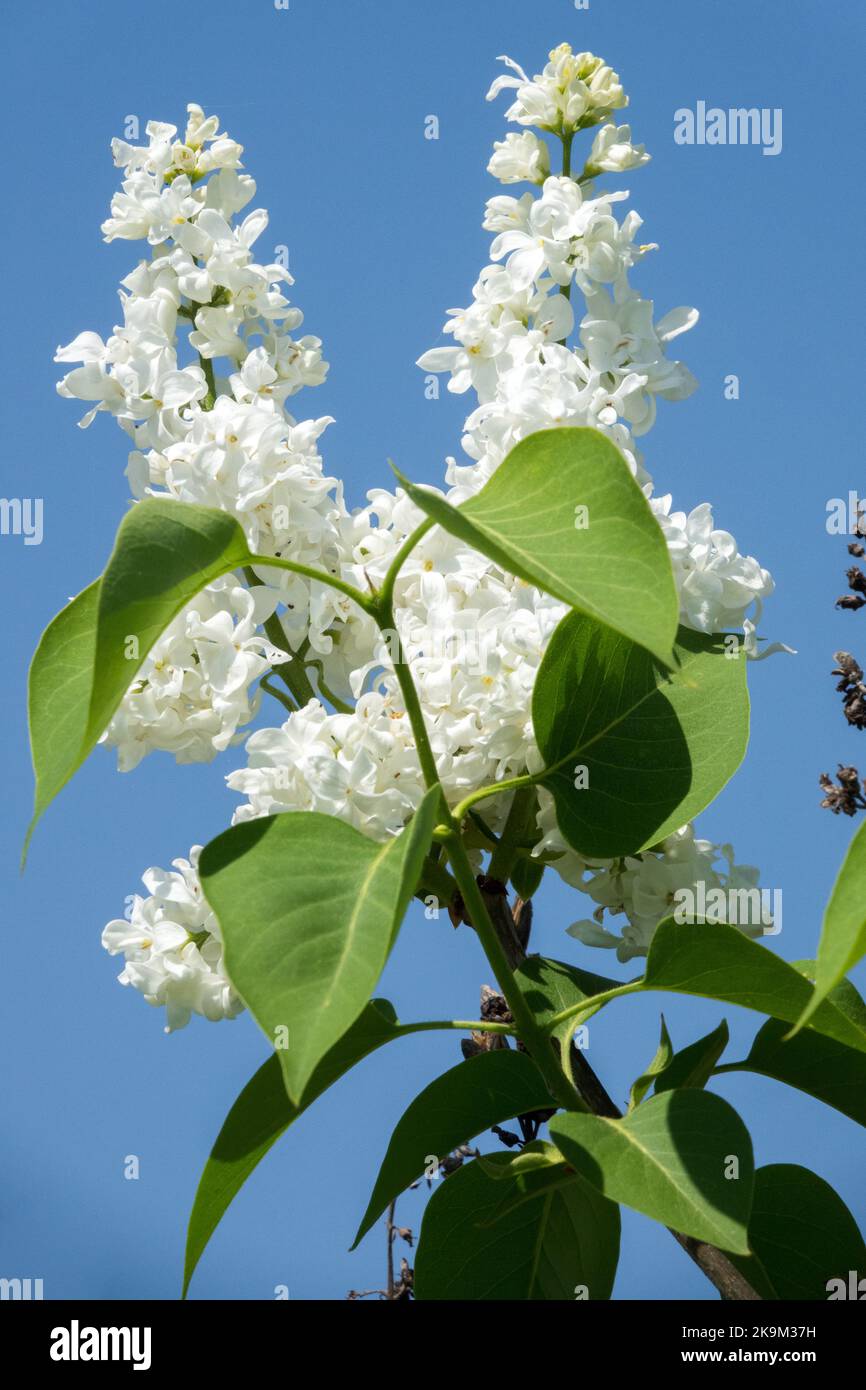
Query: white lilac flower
182,197
520,158
361,767
192,693
634,893
229,192
527,379
172,947
574,89
613,153
149,209
249,459
648,887
475,635
716,584
558,232
500,311
155,157
619,337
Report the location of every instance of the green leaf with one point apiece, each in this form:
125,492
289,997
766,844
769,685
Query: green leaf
58,697
525,518
526,877
263,1112
669,1159
550,986
309,909
561,1241
164,554
844,996
693,1065
527,1170
802,1235
661,1060
634,751
718,962
465,1101
843,933
820,1067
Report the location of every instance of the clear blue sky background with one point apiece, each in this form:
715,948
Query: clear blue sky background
384,229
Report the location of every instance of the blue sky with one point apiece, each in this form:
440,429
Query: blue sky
383,226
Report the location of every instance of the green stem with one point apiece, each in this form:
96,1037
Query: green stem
386,592
277,638
339,705
509,784
530,1033
594,1002
206,364
535,1038
363,601
295,679
295,676
461,1025
284,700
567,139
382,609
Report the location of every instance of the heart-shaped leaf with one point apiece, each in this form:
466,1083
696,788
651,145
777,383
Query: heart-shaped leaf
802,1235
634,751
165,553
683,1158
483,1091
819,1066
548,1236
843,933
718,962
59,697
563,512
309,908
553,985
263,1112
